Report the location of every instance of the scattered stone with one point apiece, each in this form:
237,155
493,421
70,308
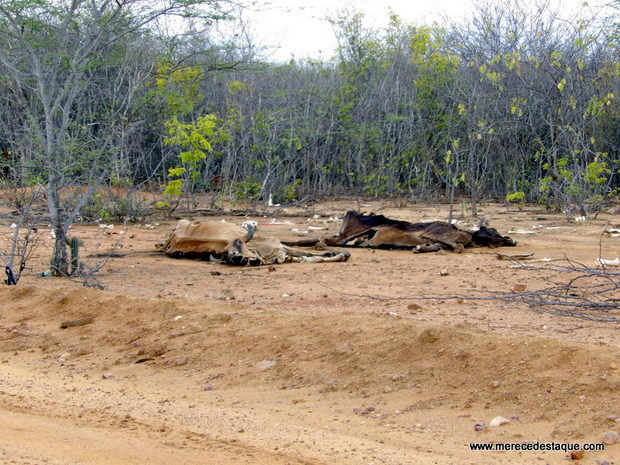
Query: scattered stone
496,384
428,336
225,294
177,334
80,322
610,437
577,454
207,388
444,272
499,421
271,269
519,287
107,376
480,426
414,307
180,361
265,365
215,273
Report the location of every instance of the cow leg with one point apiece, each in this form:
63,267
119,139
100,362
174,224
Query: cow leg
428,248
325,258
458,248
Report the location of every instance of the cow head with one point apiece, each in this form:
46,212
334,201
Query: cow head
491,238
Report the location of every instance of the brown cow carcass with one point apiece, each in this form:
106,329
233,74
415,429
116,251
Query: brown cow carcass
229,243
378,231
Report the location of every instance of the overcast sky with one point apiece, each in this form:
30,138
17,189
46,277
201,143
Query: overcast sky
297,28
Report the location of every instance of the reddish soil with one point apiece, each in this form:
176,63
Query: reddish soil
191,362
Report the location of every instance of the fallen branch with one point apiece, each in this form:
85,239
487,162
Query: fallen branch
591,294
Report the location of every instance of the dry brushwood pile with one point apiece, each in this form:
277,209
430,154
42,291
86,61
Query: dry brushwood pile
576,290
390,357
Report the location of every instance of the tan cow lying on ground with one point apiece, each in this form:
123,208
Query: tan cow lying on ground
378,231
229,243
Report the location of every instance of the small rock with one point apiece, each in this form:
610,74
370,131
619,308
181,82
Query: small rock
63,358
519,287
480,426
577,454
496,384
613,365
107,376
177,334
499,421
368,410
271,269
207,388
225,294
444,272
414,307
264,365
180,361
610,437
215,273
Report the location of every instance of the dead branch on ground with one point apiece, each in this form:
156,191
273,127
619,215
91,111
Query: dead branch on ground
573,289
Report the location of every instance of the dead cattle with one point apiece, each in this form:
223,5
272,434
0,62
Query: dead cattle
229,243
378,231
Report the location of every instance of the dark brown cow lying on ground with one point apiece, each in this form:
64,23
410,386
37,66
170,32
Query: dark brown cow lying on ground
377,231
228,243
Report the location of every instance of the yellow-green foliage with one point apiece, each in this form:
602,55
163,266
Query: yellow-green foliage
179,86
195,139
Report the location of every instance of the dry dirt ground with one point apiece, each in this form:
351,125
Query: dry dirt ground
191,362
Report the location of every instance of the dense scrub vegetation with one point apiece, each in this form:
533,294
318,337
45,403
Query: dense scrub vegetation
515,103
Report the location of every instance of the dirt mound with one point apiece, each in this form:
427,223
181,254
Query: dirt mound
392,364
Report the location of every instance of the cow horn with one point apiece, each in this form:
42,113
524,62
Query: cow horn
251,227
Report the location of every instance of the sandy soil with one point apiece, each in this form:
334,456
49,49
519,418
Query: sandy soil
191,362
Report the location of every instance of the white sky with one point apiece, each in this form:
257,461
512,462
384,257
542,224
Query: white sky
296,27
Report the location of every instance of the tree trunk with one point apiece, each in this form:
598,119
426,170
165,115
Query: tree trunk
59,264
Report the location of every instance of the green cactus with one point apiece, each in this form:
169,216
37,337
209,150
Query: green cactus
74,244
